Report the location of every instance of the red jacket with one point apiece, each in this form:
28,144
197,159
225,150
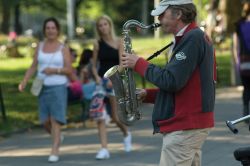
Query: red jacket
186,95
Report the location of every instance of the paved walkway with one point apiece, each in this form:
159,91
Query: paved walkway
81,144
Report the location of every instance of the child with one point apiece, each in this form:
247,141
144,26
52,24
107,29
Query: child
87,78
74,87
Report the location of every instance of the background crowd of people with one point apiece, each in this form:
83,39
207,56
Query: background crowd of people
62,83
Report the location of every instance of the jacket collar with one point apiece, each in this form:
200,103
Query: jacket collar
184,30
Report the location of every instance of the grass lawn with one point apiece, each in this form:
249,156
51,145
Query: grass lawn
21,108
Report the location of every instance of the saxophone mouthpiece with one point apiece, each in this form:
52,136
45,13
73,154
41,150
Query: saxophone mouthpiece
156,25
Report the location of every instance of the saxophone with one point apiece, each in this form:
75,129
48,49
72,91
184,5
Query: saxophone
123,80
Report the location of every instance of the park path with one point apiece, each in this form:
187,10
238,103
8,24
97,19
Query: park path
81,143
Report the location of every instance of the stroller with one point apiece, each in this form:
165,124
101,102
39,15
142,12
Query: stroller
240,154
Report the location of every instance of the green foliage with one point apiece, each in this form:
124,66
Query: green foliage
22,47
223,69
120,11
146,46
57,7
90,10
200,5
33,12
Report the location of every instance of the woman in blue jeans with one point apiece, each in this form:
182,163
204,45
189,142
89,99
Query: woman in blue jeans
52,63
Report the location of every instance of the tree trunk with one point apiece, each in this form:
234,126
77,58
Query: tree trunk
157,31
145,15
70,18
231,10
17,25
5,17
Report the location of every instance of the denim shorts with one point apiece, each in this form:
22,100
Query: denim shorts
53,103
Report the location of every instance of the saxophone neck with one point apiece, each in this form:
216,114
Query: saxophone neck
126,28
135,23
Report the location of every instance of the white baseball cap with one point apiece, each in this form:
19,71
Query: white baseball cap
164,4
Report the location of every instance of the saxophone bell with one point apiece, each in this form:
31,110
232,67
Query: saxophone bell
123,80
118,77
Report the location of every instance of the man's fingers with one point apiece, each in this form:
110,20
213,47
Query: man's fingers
124,60
124,64
127,60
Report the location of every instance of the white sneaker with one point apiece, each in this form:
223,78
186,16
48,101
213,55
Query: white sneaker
107,119
53,158
102,154
127,142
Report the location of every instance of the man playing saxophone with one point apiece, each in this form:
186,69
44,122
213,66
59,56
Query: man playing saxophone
185,94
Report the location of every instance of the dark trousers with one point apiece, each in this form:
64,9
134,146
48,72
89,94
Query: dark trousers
246,91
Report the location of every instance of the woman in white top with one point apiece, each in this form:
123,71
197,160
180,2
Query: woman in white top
52,63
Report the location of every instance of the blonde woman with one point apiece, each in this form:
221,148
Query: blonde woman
107,51
52,63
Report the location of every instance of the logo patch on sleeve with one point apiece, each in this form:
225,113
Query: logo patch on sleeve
180,56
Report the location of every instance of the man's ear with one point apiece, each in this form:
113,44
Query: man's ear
179,14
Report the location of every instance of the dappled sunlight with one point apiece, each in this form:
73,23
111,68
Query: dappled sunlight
230,138
81,132
222,127
241,139
219,138
88,148
16,64
71,149
17,152
229,93
146,133
219,129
